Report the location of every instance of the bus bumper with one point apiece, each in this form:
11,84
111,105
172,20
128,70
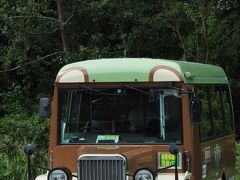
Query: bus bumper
168,176
44,177
171,176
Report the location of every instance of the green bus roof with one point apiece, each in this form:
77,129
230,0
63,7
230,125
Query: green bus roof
140,70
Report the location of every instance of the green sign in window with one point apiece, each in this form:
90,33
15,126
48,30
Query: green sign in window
105,138
167,159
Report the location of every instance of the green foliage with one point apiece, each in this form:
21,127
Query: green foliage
200,31
16,132
238,160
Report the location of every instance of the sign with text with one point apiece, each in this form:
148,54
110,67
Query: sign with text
167,159
107,138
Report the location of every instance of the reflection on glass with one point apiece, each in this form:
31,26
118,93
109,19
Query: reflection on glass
120,116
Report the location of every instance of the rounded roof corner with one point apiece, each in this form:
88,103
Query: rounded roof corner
142,70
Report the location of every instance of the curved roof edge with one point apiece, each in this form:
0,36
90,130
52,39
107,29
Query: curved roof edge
141,70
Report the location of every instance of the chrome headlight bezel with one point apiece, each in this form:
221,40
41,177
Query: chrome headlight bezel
62,173
143,173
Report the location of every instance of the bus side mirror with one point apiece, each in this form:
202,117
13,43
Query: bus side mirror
196,111
44,108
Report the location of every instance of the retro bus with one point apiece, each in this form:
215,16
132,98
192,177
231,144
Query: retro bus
115,119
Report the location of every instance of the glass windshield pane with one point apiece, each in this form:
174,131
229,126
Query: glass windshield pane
120,116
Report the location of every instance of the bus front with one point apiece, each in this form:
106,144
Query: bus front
115,120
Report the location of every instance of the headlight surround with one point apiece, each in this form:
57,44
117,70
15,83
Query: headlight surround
144,174
60,173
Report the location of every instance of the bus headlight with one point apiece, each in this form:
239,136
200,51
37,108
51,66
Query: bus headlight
143,174
60,173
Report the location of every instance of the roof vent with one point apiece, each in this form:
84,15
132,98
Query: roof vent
188,75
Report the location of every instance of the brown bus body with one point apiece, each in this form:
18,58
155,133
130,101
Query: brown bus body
206,148
146,155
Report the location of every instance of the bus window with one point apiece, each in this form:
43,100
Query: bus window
206,126
173,117
133,116
226,102
216,111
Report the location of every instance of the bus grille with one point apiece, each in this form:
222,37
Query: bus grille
101,167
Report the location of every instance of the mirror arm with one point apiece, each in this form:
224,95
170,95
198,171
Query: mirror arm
173,149
176,168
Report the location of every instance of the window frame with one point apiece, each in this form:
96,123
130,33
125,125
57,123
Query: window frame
74,87
222,89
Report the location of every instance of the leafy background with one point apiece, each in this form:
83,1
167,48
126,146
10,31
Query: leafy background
38,37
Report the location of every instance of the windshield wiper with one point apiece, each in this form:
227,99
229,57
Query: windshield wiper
134,88
95,90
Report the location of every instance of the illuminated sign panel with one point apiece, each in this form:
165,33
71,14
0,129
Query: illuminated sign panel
167,159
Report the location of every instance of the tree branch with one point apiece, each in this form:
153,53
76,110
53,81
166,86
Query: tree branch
68,19
47,32
40,17
60,9
32,62
176,29
99,9
205,34
228,33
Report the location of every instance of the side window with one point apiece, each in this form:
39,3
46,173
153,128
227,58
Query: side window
216,111
206,126
227,112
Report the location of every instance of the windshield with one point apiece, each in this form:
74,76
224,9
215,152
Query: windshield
120,115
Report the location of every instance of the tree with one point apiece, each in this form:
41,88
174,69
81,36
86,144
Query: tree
38,37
